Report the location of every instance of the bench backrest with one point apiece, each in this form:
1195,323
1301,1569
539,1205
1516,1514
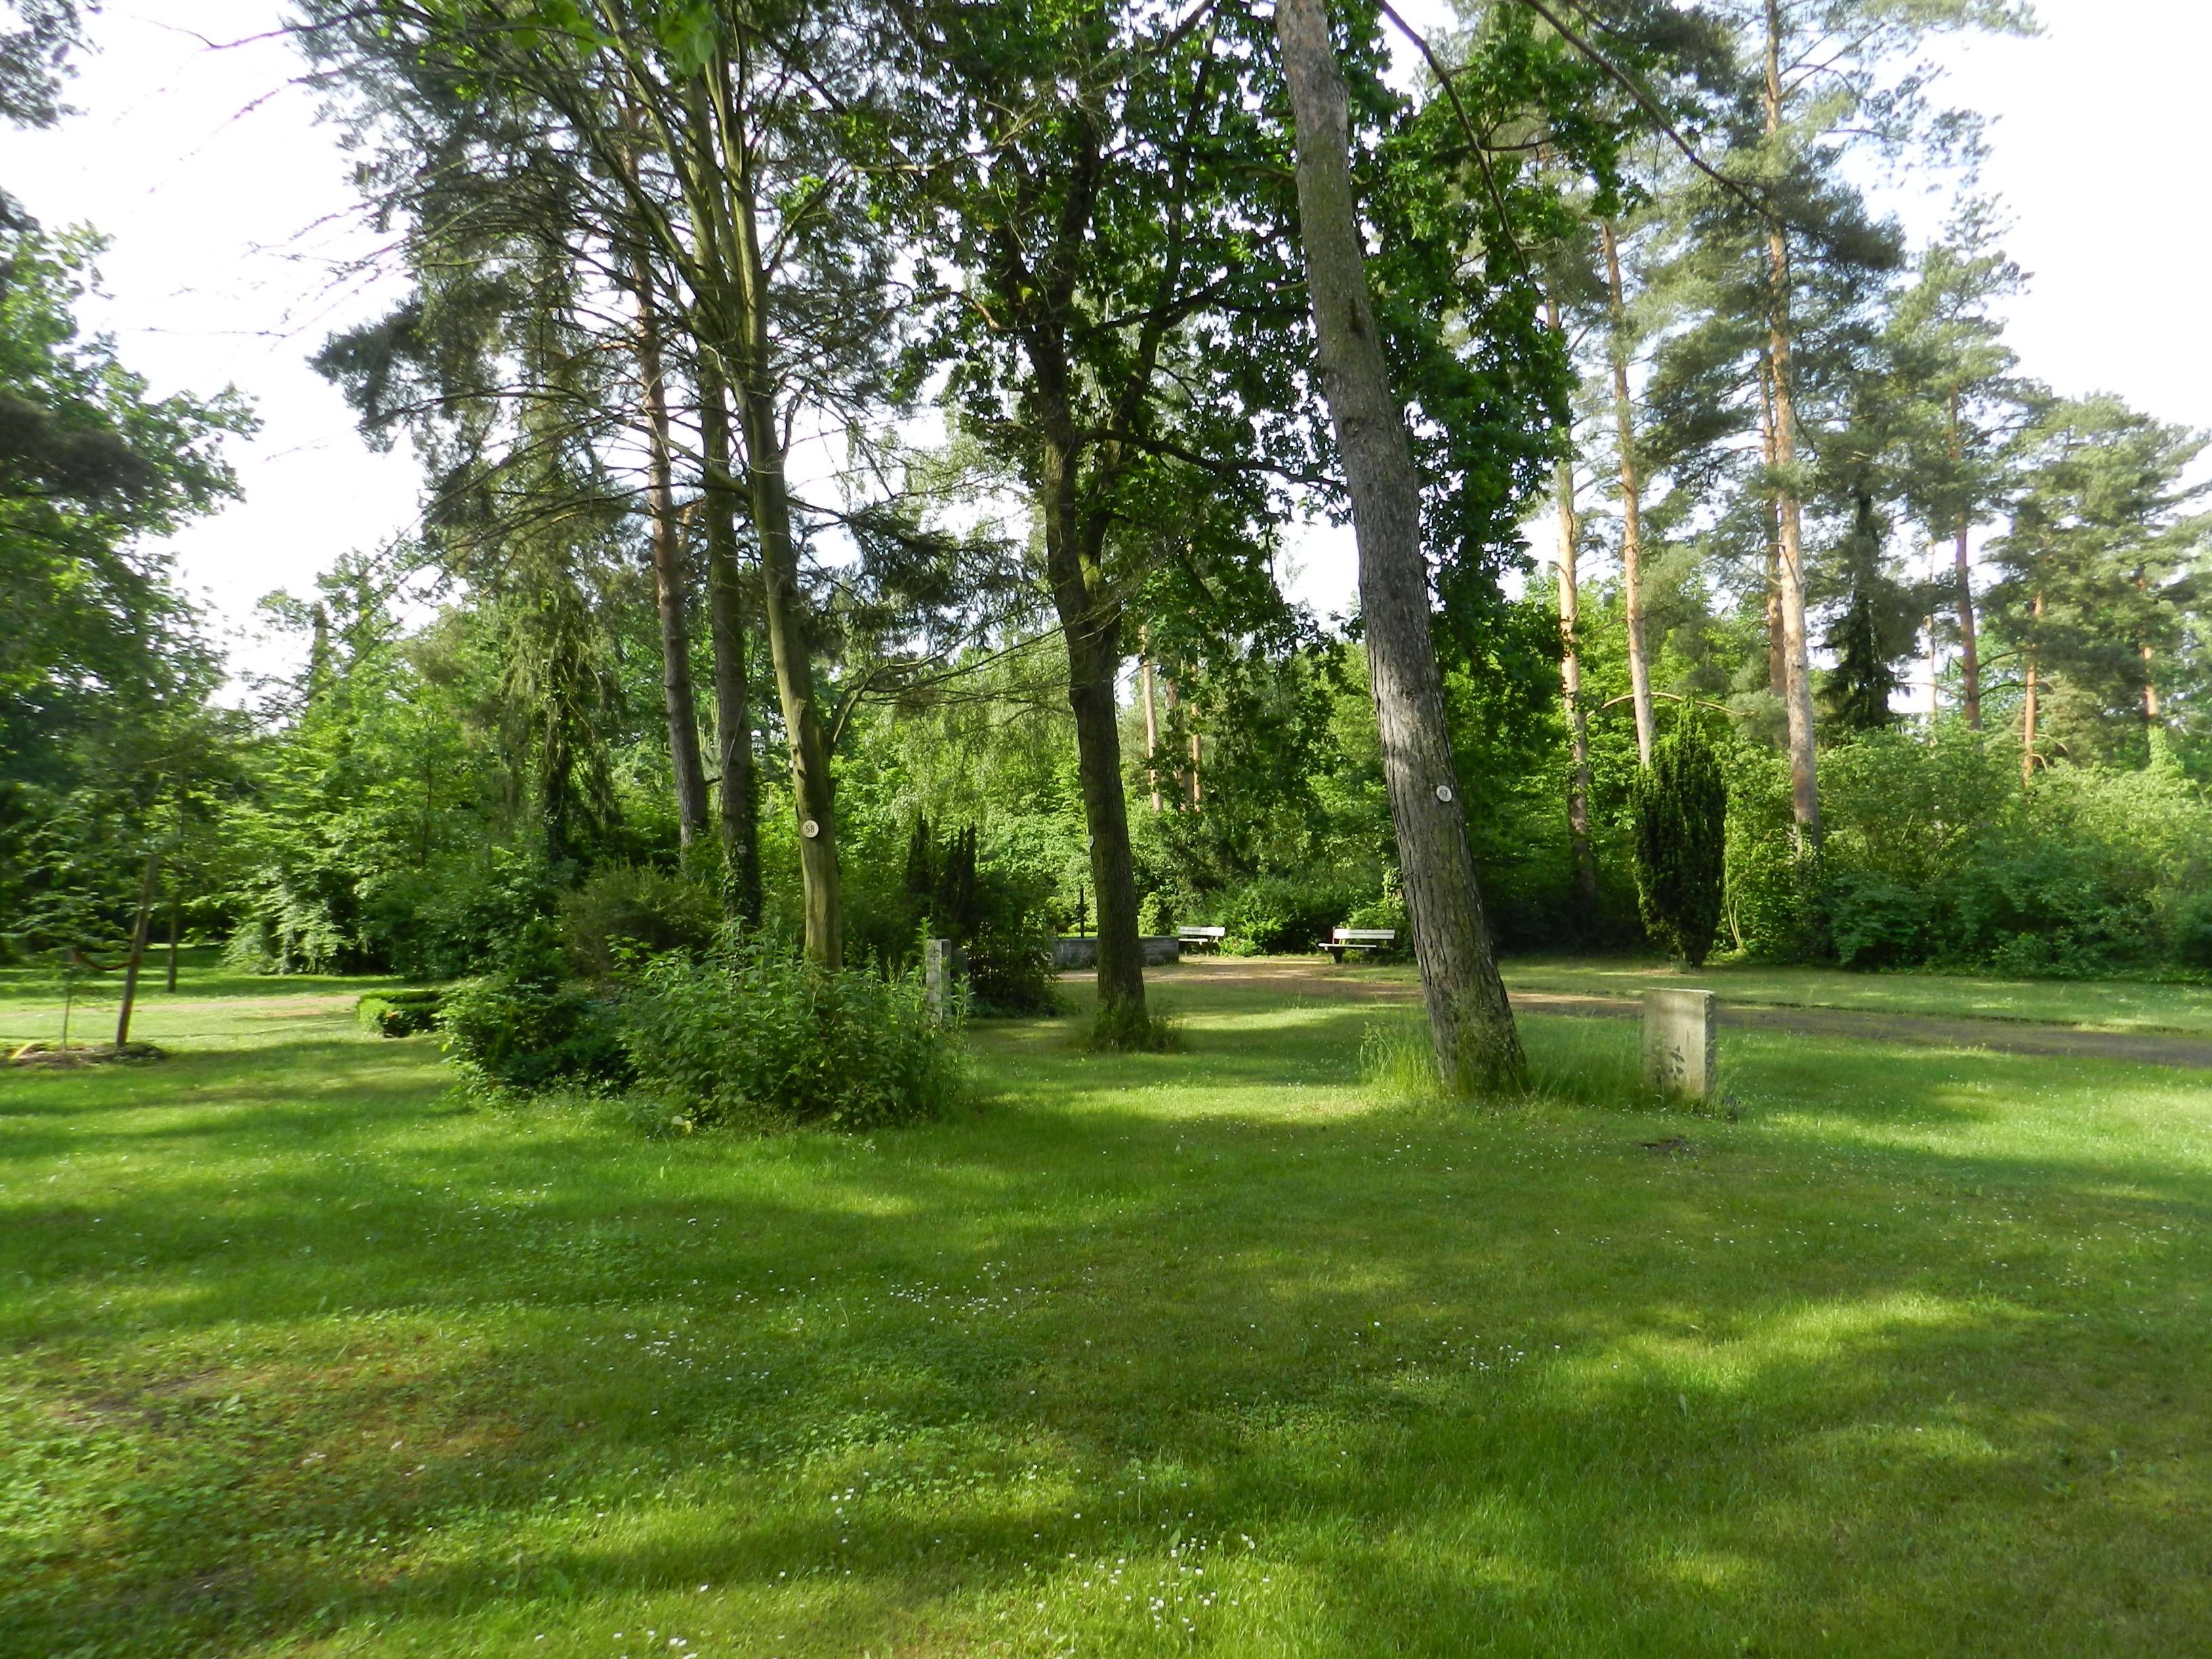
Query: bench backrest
1202,933
1357,935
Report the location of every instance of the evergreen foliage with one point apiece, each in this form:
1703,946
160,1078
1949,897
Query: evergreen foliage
1681,840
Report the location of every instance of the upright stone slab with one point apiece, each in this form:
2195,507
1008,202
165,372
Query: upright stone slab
1679,1049
942,964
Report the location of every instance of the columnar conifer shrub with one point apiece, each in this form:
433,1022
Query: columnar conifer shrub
1681,841
752,1035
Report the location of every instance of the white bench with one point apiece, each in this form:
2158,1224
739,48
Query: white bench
1201,939
1341,939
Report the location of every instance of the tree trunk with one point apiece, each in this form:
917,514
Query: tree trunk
1469,1019
1970,667
176,930
1570,668
1152,735
1091,622
138,930
671,582
784,604
1804,783
1778,654
1631,505
2029,710
739,798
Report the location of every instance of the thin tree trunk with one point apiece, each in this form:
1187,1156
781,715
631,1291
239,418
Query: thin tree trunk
1197,752
1970,667
1804,783
176,930
2030,709
739,800
1152,735
139,926
1470,1020
1632,504
1570,668
671,582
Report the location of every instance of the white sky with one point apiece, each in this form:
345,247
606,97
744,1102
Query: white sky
229,209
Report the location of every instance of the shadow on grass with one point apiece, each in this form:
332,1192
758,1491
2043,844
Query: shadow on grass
1494,1378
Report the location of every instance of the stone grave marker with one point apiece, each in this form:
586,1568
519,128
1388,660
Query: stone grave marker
1679,1046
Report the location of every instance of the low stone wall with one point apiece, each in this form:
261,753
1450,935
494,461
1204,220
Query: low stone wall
1081,951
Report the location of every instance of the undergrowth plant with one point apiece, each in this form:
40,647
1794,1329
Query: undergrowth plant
753,1036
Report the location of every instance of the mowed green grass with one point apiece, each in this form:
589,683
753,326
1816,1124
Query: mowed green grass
2098,1004
1203,1353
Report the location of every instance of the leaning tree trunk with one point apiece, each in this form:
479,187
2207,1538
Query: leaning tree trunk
783,602
1090,623
672,588
1631,505
1804,781
1469,1018
138,930
739,800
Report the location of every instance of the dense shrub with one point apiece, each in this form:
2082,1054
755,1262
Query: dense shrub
524,1027
1936,855
1680,805
400,1013
1287,912
751,1035
628,909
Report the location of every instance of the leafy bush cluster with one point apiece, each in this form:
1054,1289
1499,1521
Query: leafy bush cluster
1936,855
753,1036
525,1026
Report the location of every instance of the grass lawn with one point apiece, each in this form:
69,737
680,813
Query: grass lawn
2099,1005
1205,1352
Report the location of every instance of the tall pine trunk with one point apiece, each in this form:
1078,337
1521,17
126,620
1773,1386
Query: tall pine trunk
1570,669
1632,504
1804,781
1970,667
2032,706
671,582
1777,655
1469,1019
739,800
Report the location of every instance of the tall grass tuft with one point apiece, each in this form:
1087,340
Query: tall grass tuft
1571,1062
1126,1028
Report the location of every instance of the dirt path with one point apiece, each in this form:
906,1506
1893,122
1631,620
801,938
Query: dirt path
1320,979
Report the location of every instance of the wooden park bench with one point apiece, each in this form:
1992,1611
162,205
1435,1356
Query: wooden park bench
1341,939
1201,939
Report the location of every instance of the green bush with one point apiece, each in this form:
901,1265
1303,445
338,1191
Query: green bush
1681,845
399,1013
753,1036
523,1027
627,908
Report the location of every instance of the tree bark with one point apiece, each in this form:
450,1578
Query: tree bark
1970,667
2029,710
1470,1020
739,800
784,603
1090,623
1777,655
1570,669
671,582
1632,504
1152,735
139,926
1804,781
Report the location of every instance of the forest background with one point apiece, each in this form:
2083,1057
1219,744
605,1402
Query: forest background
490,726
